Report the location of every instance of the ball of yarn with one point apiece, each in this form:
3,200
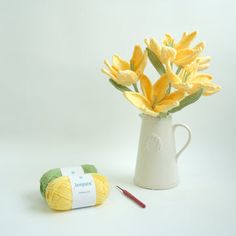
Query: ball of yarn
55,173
59,193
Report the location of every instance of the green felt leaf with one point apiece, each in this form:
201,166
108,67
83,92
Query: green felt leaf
188,100
156,62
118,86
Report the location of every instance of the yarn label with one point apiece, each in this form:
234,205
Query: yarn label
72,171
83,191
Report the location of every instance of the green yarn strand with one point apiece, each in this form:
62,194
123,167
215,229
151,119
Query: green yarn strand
56,173
89,168
47,178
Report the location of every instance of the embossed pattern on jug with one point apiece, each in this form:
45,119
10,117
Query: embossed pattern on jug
153,143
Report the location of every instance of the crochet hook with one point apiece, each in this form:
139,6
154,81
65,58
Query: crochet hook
132,197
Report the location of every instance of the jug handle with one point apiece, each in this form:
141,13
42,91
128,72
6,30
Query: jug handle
188,140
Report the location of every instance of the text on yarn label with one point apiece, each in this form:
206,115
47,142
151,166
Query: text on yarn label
83,191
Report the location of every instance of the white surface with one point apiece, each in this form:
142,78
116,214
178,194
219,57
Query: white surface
57,109
203,203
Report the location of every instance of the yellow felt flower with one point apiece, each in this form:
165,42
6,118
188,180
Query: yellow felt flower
203,62
190,80
181,53
155,98
185,54
127,73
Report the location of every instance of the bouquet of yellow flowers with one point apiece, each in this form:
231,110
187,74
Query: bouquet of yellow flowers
181,81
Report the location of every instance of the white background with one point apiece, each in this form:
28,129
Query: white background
58,109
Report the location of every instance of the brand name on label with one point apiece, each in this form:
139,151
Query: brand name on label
82,184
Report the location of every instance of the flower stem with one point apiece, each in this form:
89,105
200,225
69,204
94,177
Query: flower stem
168,89
178,70
135,87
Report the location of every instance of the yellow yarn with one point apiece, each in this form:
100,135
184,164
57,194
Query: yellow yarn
59,192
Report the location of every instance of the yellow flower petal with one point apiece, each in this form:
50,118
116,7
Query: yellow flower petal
137,99
186,40
183,53
210,88
183,87
119,63
176,96
149,112
141,66
109,74
193,88
173,78
166,105
201,78
168,41
168,54
191,69
140,102
146,86
160,87
203,62
136,57
203,67
186,56
154,46
111,68
199,47
127,77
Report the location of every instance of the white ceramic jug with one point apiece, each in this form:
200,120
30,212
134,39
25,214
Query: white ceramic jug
156,166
